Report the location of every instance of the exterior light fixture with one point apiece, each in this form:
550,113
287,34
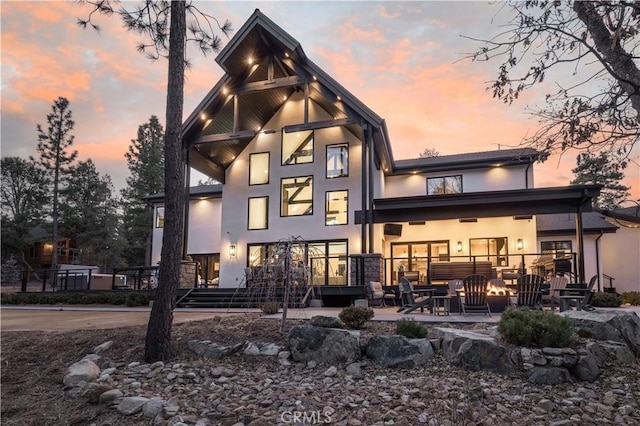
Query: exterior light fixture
250,60
232,250
203,116
459,246
338,98
519,244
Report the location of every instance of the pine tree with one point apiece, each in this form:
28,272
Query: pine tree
603,171
54,157
145,158
24,201
89,216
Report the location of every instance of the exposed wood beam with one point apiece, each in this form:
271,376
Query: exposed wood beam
236,113
306,103
276,83
319,125
270,69
219,137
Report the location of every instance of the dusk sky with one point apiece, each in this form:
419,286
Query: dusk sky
400,59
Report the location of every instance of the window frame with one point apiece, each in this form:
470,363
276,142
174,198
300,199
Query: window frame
283,161
555,251
444,182
498,256
268,167
326,207
266,213
158,221
282,196
328,147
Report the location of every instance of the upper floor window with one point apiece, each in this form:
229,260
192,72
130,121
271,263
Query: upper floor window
338,160
337,207
297,196
444,185
160,217
258,213
297,147
557,248
259,168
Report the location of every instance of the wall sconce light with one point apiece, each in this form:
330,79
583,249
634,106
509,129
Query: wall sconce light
519,244
232,250
459,246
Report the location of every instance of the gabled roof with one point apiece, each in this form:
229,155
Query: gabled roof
263,67
195,192
626,214
565,224
505,157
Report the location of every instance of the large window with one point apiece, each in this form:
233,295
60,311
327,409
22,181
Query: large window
444,185
297,147
326,260
557,248
493,249
258,213
338,160
336,208
160,217
297,196
415,257
259,168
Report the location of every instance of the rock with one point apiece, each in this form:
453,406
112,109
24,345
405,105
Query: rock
622,327
398,351
81,371
93,392
131,405
546,405
474,351
326,322
270,349
92,357
103,347
548,375
533,356
625,410
586,368
211,350
331,371
152,407
110,396
610,351
251,348
323,345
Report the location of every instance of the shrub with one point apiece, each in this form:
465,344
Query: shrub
602,299
271,307
107,298
355,317
631,297
411,329
535,328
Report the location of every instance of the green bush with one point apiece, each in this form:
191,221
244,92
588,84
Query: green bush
610,300
355,317
631,297
104,298
535,328
411,329
271,308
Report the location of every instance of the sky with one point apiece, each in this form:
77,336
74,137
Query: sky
402,59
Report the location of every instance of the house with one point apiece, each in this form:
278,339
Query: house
297,155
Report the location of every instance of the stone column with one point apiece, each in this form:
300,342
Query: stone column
366,267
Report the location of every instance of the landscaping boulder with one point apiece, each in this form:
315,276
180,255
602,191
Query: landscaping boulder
610,351
474,351
131,405
544,375
94,390
326,322
324,345
623,327
82,371
398,351
586,368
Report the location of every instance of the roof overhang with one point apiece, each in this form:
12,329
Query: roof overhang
576,198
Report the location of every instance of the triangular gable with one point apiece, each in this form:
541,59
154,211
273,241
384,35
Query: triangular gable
264,66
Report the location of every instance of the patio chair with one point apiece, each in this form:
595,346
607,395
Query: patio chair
454,287
581,300
412,299
475,295
529,291
377,295
513,273
557,283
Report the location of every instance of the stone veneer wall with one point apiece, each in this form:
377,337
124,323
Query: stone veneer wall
365,268
187,274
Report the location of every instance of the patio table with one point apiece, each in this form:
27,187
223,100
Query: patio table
566,295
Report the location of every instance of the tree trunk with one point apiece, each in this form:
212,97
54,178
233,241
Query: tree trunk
158,340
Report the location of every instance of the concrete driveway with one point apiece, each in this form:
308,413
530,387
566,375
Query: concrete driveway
32,318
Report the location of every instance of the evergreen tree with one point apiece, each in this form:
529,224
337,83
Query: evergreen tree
89,216
54,158
145,158
24,202
602,170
